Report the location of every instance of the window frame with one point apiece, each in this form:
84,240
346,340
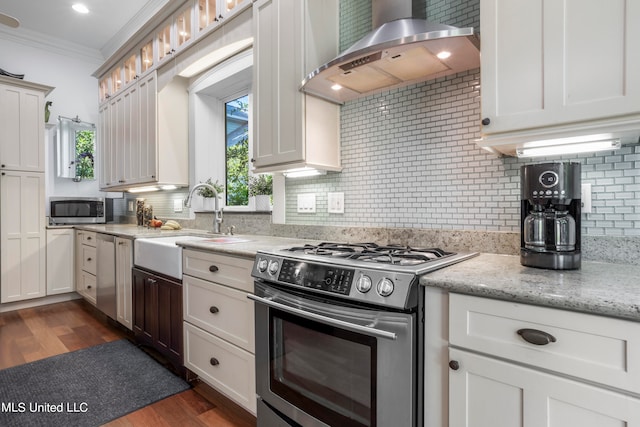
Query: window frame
207,96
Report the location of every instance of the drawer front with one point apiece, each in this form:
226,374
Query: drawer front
223,269
223,311
89,261
223,366
595,348
87,286
88,238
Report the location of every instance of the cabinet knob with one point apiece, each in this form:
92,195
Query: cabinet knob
213,309
213,268
454,364
214,361
151,281
88,259
486,121
88,286
253,160
88,237
2,166
536,337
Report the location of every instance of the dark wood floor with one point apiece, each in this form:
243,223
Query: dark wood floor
36,333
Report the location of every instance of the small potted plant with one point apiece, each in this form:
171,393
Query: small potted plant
207,194
261,187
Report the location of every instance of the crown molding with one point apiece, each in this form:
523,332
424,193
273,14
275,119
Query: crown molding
133,26
51,44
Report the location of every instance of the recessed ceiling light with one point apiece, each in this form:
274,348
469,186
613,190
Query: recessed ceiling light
444,54
80,8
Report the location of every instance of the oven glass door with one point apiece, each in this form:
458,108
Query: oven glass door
327,372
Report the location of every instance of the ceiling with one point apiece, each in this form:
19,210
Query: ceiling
109,23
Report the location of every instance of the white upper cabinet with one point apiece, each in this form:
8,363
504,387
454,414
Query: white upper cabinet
291,129
22,125
176,33
144,136
558,68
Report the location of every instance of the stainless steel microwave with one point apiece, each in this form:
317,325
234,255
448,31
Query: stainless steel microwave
80,210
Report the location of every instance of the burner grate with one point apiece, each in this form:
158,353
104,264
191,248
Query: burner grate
371,252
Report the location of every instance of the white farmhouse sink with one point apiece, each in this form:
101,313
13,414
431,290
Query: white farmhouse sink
161,254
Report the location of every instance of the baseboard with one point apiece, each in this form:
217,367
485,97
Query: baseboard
36,302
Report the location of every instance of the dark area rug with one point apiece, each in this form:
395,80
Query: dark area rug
86,387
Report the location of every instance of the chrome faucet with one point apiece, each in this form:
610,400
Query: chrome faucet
217,210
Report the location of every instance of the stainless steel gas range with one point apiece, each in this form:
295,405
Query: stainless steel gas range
339,333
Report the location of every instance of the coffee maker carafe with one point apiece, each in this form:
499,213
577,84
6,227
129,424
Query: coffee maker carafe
550,216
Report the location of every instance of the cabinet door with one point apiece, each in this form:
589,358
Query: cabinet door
105,145
124,291
169,303
147,159
145,310
544,65
21,129
488,392
130,156
22,236
60,262
278,70
157,314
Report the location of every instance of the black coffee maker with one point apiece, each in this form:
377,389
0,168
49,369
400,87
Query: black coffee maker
550,216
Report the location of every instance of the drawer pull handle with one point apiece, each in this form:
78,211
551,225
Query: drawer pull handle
213,268
214,361
213,309
534,336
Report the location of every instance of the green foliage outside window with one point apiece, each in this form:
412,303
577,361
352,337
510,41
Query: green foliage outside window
85,148
237,151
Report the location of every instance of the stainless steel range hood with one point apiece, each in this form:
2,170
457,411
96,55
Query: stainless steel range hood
397,53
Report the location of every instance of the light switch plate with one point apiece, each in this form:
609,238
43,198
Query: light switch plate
585,198
335,203
307,203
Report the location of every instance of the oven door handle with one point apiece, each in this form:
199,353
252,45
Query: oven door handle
378,333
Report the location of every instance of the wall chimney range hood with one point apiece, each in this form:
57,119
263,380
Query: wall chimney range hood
397,53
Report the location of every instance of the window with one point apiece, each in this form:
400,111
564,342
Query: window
237,151
220,115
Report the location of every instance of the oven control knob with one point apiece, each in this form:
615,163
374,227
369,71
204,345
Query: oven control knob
385,287
273,267
363,284
262,265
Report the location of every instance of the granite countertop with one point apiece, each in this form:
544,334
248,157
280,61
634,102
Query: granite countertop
597,288
238,245
133,231
243,245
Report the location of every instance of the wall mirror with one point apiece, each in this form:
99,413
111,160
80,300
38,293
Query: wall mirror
75,149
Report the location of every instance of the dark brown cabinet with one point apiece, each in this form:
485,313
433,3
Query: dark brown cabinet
157,315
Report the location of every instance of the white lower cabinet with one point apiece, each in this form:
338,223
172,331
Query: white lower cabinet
86,263
219,329
224,366
515,365
60,261
22,236
124,290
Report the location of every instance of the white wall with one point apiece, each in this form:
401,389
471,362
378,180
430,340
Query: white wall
75,94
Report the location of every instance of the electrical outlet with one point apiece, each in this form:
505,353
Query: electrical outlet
130,206
177,205
335,202
307,203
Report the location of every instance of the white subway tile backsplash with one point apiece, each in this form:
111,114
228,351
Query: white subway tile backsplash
410,160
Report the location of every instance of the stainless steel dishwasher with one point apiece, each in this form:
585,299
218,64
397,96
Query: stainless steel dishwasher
106,275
